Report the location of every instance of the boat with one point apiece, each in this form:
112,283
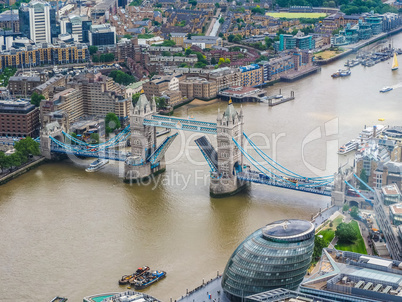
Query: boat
125,279
345,72
349,146
368,132
336,74
59,299
386,89
341,73
96,165
352,63
148,279
394,63
381,119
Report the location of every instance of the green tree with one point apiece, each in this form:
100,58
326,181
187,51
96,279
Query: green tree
160,102
92,49
27,147
121,77
188,52
14,160
199,65
217,5
4,161
135,98
111,122
221,20
345,207
319,244
354,212
36,98
127,36
363,177
94,138
166,53
213,61
346,233
231,37
237,38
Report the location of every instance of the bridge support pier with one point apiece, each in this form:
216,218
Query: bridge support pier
134,173
223,187
53,129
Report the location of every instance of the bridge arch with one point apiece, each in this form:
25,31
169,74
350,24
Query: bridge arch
354,203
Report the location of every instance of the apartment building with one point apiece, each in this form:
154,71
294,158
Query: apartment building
24,83
196,87
251,75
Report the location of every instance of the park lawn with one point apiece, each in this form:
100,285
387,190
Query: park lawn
357,247
337,221
327,235
327,54
297,15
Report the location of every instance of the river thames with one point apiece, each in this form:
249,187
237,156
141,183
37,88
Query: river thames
71,233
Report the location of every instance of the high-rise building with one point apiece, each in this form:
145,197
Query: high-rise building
103,34
39,22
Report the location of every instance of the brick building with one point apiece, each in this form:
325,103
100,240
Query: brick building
18,118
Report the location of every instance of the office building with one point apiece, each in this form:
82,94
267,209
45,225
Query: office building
39,22
275,256
103,34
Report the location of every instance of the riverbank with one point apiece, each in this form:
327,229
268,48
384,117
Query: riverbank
4,178
354,47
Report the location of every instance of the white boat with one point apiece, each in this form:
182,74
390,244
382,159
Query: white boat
349,146
96,165
367,133
386,88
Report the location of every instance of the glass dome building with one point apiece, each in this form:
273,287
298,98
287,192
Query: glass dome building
275,256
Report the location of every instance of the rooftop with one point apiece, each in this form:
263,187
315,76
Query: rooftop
284,229
391,189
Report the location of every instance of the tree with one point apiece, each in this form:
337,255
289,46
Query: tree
127,36
319,244
221,20
160,102
166,54
221,61
217,5
346,233
213,61
199,65
121,77
14,160
237,38
4,161
135,98
36,98
94,137
92,49
188,52
27,147
345,207
111,122
231,37
354,212
363,177
227,61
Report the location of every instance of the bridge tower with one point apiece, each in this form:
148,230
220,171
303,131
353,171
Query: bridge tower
143,142
338,195
229,126
53,129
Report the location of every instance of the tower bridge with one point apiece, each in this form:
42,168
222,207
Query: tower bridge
231,167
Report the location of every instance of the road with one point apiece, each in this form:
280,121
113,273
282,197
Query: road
214,25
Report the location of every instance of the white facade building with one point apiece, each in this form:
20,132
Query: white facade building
39,19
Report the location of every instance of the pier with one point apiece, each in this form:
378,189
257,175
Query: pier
275,100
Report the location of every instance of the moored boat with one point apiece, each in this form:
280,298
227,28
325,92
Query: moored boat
349,146
125,279
148,279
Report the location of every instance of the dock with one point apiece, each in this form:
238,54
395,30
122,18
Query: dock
275,100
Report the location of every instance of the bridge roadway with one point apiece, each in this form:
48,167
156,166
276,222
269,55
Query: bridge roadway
257,177
181,124
85,151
